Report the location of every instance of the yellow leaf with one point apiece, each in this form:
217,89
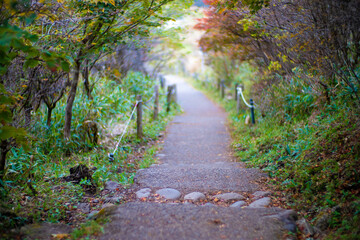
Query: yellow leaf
60,236
222,10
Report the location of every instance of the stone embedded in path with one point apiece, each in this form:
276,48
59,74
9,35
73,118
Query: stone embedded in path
261,194
261,203
209,205
229,196
169,193
143,193
194,196
238,204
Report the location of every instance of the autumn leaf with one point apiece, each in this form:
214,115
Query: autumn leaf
60,236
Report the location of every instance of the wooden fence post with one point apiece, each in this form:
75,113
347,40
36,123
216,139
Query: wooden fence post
162,82
236,91
238,102
156,104
222,86
174,93
168,102
139,127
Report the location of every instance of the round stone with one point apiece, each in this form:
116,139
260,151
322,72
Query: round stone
262,202
194,196
169,193
261,194
209,205
84,207
238,204
229,196
143,193
111,185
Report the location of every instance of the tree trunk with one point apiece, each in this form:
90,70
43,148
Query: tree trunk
4,148
27,113
70,100
49,116
86,82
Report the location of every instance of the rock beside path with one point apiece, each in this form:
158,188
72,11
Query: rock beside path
289,218
194,196
260,194
92,215
116,199
111,185
229,196
169,193
83,207
44,230
261,203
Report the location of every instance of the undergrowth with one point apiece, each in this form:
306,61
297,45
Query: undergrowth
33,188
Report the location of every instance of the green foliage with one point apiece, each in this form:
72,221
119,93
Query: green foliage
35,174
6,130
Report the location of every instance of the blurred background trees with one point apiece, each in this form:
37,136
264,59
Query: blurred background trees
317,39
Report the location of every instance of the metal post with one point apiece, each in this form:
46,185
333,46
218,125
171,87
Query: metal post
252,111
222,85
156,103
139,128
236,92
111,157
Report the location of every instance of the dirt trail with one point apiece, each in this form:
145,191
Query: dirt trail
193,168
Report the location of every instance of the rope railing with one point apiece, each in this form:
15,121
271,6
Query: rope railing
239,89
238,93
139,107
124,131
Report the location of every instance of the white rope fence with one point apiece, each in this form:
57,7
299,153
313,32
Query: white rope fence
243,98
111,155
139,121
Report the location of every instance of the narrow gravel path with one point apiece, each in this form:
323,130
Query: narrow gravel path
197,191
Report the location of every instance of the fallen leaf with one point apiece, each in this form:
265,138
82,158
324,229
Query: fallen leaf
60,236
